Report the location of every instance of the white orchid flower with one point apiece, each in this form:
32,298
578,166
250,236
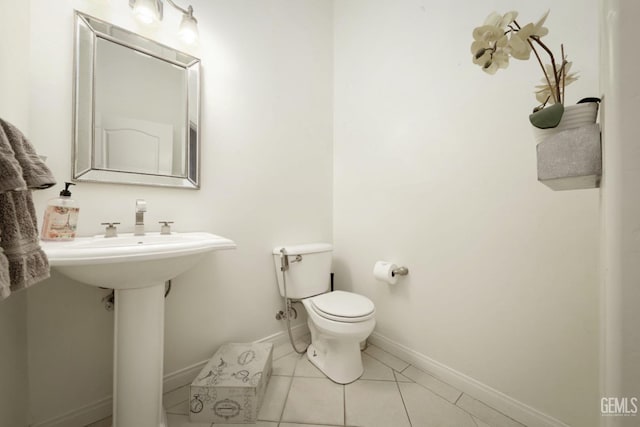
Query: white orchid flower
501,37
487,33
494,26
519,42
544,92
501,59
501,21
490,42
490,56
494,19
508,18
539,30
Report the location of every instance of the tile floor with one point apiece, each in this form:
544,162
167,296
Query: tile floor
390,393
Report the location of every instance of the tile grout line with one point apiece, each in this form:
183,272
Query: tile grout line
282,356
459,397
344,404
309,425
434,391
453,403
370,379
285,401
391,367
295,368
475,417
406,411
488,406
441,397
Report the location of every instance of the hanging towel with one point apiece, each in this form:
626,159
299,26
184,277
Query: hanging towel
22,261
5,281
34,173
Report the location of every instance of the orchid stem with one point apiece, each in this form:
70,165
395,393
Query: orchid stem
563,70
553,64
546,76
555,91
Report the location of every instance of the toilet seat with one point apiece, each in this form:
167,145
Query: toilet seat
341,306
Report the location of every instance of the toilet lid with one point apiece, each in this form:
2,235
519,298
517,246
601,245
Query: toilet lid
341,305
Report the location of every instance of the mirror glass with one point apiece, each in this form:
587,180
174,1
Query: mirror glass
136,108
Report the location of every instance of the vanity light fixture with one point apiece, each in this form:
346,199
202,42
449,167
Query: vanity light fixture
150,11
147,11
188,30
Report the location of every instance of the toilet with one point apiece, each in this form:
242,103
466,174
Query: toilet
338,320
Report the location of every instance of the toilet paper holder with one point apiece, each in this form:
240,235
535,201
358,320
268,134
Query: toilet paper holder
400,271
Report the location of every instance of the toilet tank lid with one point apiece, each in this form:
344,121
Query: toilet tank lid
308,248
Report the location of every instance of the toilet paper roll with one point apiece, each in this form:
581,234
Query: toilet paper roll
383,271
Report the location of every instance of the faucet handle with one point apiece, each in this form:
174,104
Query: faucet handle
141,205
166,228
110,230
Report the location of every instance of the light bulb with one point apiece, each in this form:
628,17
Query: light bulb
188,31
146,11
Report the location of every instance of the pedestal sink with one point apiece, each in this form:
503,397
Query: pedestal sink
136,267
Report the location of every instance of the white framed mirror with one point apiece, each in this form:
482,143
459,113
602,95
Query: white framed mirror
136,109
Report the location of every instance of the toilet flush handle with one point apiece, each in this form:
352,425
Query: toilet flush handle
284,260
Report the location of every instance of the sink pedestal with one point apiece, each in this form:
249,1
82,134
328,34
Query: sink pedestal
138,356
136,267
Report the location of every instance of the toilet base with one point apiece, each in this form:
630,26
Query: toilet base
343,369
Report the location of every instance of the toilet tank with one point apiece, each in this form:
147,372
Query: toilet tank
308,277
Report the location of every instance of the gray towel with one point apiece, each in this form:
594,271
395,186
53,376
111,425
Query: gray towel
5,281
35,174
22,261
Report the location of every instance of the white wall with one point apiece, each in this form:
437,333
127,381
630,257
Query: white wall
14,99
266,180
435,169
619,69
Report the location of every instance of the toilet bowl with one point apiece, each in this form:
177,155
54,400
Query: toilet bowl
338,321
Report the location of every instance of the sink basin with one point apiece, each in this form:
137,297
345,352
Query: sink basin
136,267
128,261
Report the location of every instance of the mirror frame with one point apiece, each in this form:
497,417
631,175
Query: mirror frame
83,159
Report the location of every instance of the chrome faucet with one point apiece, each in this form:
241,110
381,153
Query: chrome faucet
141,208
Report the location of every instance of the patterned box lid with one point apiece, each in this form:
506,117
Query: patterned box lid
235,365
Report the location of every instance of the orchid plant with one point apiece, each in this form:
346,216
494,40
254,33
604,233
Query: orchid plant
501,38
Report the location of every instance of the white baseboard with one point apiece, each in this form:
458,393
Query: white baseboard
101,408
182,376
80,417
282,337
509,406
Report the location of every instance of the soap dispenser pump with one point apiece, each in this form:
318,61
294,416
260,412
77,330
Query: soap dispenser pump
61,217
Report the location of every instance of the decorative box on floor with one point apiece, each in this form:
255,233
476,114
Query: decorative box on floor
231,386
